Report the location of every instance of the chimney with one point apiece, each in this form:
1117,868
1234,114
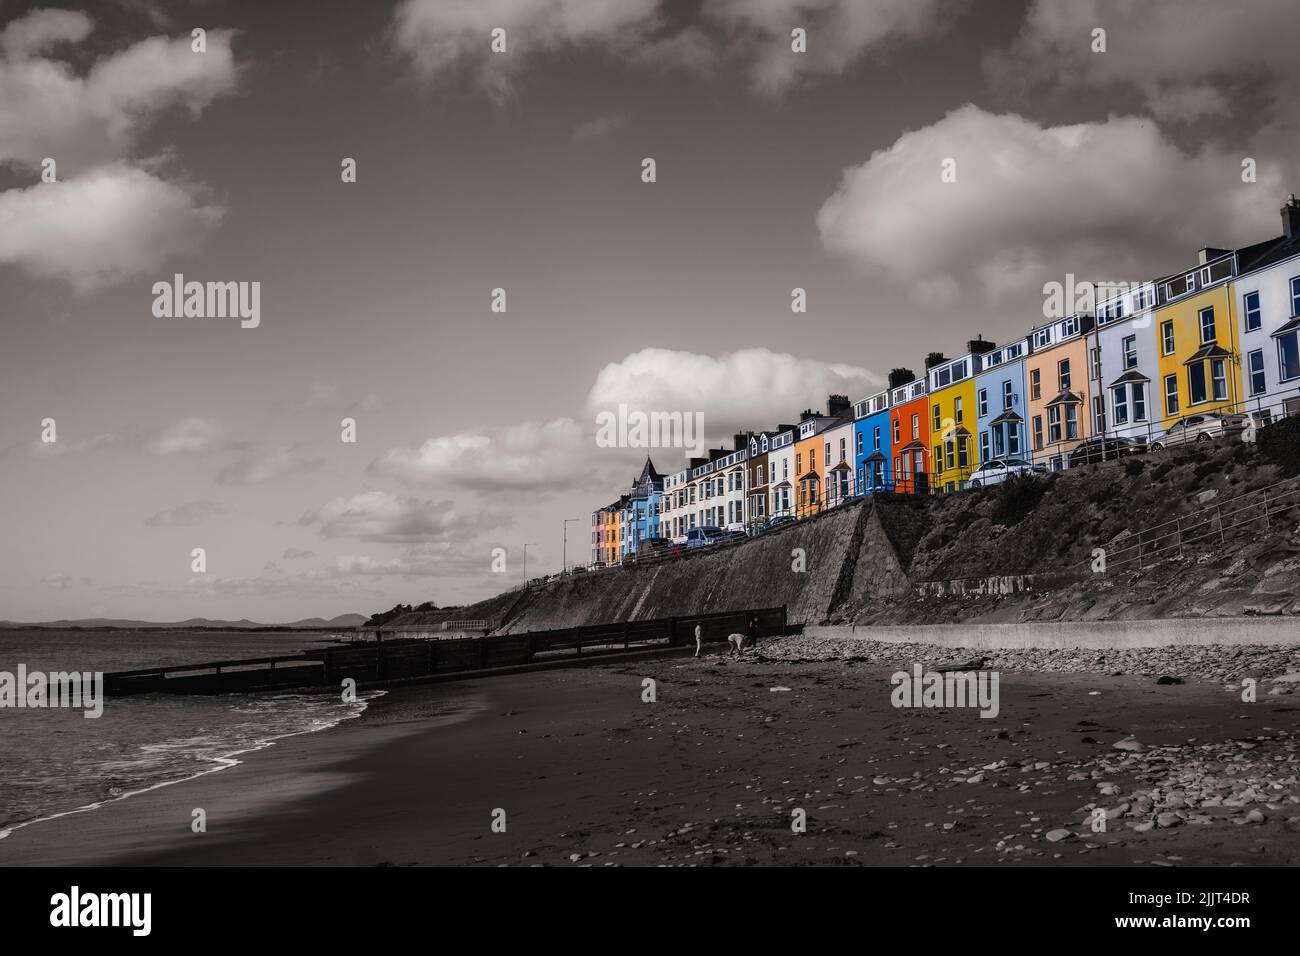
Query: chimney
807,413
837,405
978,346
933,359
1208,253
900,376
785,428
1291,218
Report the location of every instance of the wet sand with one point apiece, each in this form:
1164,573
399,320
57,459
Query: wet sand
710,773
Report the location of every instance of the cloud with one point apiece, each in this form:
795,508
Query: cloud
328,395
60,582
188,436
1031,203
747,389
529,456
430,559
187,515
253,467
599,128
440,39
1188,60
840,33
380,516
296,554
46,109
108,224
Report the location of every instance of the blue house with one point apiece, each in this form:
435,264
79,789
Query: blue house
1000,402
871,444
643,509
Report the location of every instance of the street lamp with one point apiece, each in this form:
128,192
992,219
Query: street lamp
564,554
530,544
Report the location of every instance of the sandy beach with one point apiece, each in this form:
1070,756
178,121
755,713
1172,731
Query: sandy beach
587,773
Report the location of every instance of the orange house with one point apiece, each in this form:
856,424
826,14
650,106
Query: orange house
909,436
1057,374
808,470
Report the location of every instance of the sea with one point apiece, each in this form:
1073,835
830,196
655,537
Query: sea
55,760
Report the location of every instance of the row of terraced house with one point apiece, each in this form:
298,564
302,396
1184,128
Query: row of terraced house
1223,336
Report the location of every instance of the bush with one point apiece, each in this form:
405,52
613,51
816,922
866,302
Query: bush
1016,497
1280,443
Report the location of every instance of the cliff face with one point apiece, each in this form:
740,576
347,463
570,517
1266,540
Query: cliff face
988,554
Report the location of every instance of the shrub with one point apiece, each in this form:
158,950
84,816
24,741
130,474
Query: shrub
1016,497
1280,443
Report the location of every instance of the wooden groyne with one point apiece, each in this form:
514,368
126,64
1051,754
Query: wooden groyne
383,662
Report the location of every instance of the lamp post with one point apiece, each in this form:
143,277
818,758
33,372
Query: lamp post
530,544
564,554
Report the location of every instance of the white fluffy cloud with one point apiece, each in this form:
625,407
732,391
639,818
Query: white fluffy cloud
108,216
1031,203
529,456
440,37
747,389
1187,59
380,516
254,466
839,33
102,226
188,436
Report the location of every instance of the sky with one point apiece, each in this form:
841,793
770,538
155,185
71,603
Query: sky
522,170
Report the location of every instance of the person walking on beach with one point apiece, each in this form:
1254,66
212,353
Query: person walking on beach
699,639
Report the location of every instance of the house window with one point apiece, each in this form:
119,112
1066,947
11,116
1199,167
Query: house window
1255,367
963,456
984,446
1098,414
842,442
1295,296
916,427
1063,373
1054,424
877,437
1071,422
938,455
1130,351
1013,439
1196,383
1207,325
828,454
1139,402
984,401
1035,384
798,463
936,417
1219,379
1119,401
1167,337
1006,394
1253,317
858,450
957,410
1096,363
896,438
1038,432
1288,354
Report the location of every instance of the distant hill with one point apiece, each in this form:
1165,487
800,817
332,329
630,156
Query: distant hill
244,624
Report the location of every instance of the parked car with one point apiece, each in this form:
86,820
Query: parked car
777,521
702,537
1104,448
579,569
655,544
730,537
997,470
597,565
1203,427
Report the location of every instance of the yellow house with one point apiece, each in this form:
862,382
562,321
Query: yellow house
952,423
1196,339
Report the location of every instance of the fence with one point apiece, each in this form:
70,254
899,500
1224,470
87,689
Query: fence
1210,523
400,660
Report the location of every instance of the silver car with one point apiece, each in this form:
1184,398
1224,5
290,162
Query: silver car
997,470
1197,428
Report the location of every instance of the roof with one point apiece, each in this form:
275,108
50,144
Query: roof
875,456
1207,351
1132,375
1066,397
811,476
1006,417
1286,327
914,445
842,466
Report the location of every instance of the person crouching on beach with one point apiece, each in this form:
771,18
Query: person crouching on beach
735,645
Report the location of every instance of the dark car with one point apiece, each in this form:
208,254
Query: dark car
776,521
1096,450
730,537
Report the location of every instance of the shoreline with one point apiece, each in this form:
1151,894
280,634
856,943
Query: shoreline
586,772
